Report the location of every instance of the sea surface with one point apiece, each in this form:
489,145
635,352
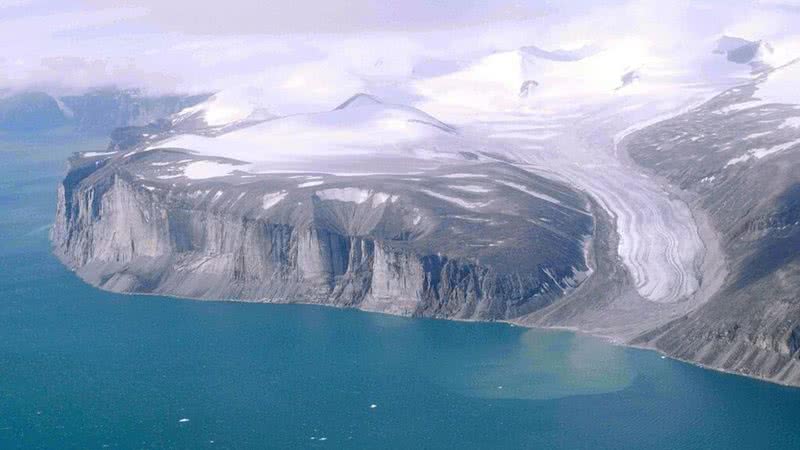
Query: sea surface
82,368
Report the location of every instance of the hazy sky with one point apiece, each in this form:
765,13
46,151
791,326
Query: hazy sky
183,45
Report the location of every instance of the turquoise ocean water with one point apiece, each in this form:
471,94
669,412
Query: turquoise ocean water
82,368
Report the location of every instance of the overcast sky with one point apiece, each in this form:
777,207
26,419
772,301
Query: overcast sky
183,45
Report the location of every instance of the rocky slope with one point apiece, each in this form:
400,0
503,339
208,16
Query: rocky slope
738,156
423,245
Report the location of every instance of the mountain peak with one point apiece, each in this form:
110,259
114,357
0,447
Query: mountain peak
359,100
741,51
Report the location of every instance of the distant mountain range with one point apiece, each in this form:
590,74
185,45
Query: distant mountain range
99,111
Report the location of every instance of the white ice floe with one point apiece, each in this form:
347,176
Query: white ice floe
184,420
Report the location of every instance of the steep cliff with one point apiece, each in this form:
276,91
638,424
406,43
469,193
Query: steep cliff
400,245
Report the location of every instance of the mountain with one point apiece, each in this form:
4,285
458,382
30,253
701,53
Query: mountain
96,112
756,54
737,154
31,112
288,210
617,192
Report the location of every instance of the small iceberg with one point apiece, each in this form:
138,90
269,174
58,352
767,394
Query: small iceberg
184,420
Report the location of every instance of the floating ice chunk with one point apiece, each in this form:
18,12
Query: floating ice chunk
184,420
373,406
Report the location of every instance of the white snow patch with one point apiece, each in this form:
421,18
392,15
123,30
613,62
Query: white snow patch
525,189
758,153
273,198
310,184
455,200
781,86
757,135
791,122
524,135
93,154
762,152
739,106
471,188
464,175
355,195
200,170
380,198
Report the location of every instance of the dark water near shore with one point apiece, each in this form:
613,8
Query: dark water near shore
81,368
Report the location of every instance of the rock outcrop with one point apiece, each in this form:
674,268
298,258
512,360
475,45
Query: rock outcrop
401,250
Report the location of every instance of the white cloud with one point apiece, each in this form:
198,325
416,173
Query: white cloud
165,46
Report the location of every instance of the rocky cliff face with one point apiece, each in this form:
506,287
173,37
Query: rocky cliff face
400,250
